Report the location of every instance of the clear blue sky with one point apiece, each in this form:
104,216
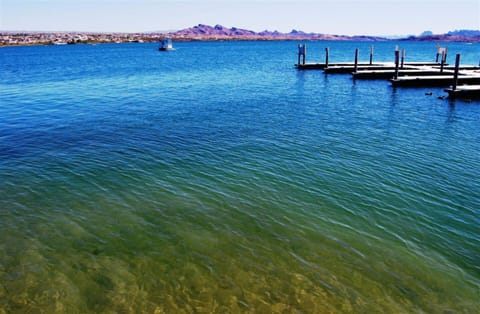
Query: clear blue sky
366,17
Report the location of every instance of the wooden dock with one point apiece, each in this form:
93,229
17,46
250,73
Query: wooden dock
433,81
351,68
405,74
386,74
321,66
408,70
464,92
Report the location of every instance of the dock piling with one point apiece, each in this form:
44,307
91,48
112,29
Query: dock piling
302,51
371,54
403,57
442,61
440,51
455,73
327,52
356,61
397,60
299,53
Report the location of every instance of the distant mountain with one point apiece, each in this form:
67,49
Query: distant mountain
219,32
465,33
458,35
426,33
202,30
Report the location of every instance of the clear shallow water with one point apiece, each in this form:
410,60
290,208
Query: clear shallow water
217,178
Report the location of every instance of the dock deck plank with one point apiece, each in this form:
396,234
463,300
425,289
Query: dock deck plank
438,80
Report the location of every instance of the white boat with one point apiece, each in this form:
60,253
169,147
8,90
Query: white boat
166,45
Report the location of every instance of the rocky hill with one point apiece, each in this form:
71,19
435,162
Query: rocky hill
219,32
465,33
458,35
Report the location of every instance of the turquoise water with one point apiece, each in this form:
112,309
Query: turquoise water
218,178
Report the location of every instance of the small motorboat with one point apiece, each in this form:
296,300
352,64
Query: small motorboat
166,45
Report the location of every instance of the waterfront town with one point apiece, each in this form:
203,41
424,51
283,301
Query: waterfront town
62,38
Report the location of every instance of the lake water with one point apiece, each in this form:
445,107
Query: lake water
218,178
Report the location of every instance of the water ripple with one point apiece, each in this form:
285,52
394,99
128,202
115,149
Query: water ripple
139,182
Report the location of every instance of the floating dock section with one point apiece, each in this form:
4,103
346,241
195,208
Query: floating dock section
462,81
464,92
389,73
433,80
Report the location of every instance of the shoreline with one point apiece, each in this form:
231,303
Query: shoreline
216,39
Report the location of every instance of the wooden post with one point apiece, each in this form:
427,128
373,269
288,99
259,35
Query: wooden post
371,54
438,53
299,53
327,52
455,74
356,60
403,57
443,61
397,60
302,51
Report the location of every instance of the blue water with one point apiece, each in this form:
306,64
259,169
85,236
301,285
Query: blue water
218,178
